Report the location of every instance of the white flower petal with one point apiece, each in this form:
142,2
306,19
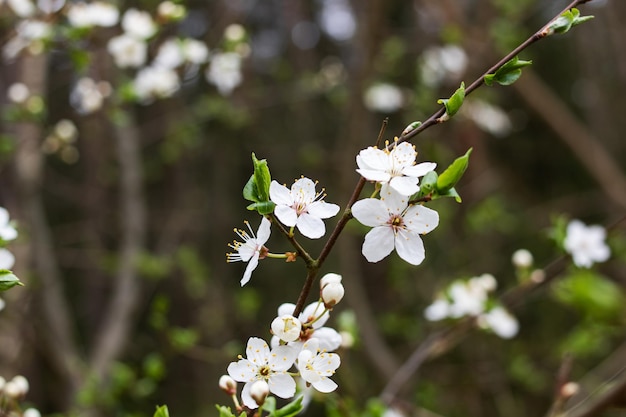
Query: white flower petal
329,339
370,212
263,234
410,247
7,259
373,159
322,209
282,385
247,399
282,358
374,175
286,308
257,351
311,312
286,215
379,243
403,155
420,169
310,226
325,385
280,194
242,371
421,219
303,190
252,264
406,186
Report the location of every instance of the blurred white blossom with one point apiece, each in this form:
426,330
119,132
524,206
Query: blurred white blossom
155,82
22,8
88,96
586,244
128,51
499,321
441,64
98,13
224,72
488,117
169,10
138,23
7,259
29,34
18,93
384,98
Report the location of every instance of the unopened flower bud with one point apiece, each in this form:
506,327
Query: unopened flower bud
330,278
569,389
286,327
16,387
228,385
522,258
347,340
259,391
31,412
332,293
537,276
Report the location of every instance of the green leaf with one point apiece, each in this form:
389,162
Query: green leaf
162,411
224,411
448,193
453,104
592,294
250,192
411,127
262,178
508,73
428,183
448,178
264,207
8,280
566,21
289,410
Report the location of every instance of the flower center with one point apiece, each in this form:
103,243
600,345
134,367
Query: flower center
264,371
396,222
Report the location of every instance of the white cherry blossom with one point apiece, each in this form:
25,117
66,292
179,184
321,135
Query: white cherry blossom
586,244
286,327
155,82
138,24
263,364
7,231
251,249
128,51
317,365
313,318
396,225
395,167
224,72
302,207
7,259
499,321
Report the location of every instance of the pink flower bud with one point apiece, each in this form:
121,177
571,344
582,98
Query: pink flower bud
228,385
332,293
259,391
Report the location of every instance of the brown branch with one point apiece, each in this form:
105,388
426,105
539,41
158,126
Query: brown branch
587,148
117,323
56,329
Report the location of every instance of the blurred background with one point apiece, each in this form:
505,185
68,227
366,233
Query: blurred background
123,163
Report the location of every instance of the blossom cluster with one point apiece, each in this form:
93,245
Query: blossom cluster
13,391
302,342
471,298
158,64
8,233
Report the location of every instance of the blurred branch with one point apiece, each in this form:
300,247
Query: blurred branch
55,325
598,162
117,323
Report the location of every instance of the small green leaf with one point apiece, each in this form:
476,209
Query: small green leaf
289,410
263,207
566,21
427,184
508,73
262,178
162,411
8,280
449,193
224,411
453,104
448,178
250,192
411,127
